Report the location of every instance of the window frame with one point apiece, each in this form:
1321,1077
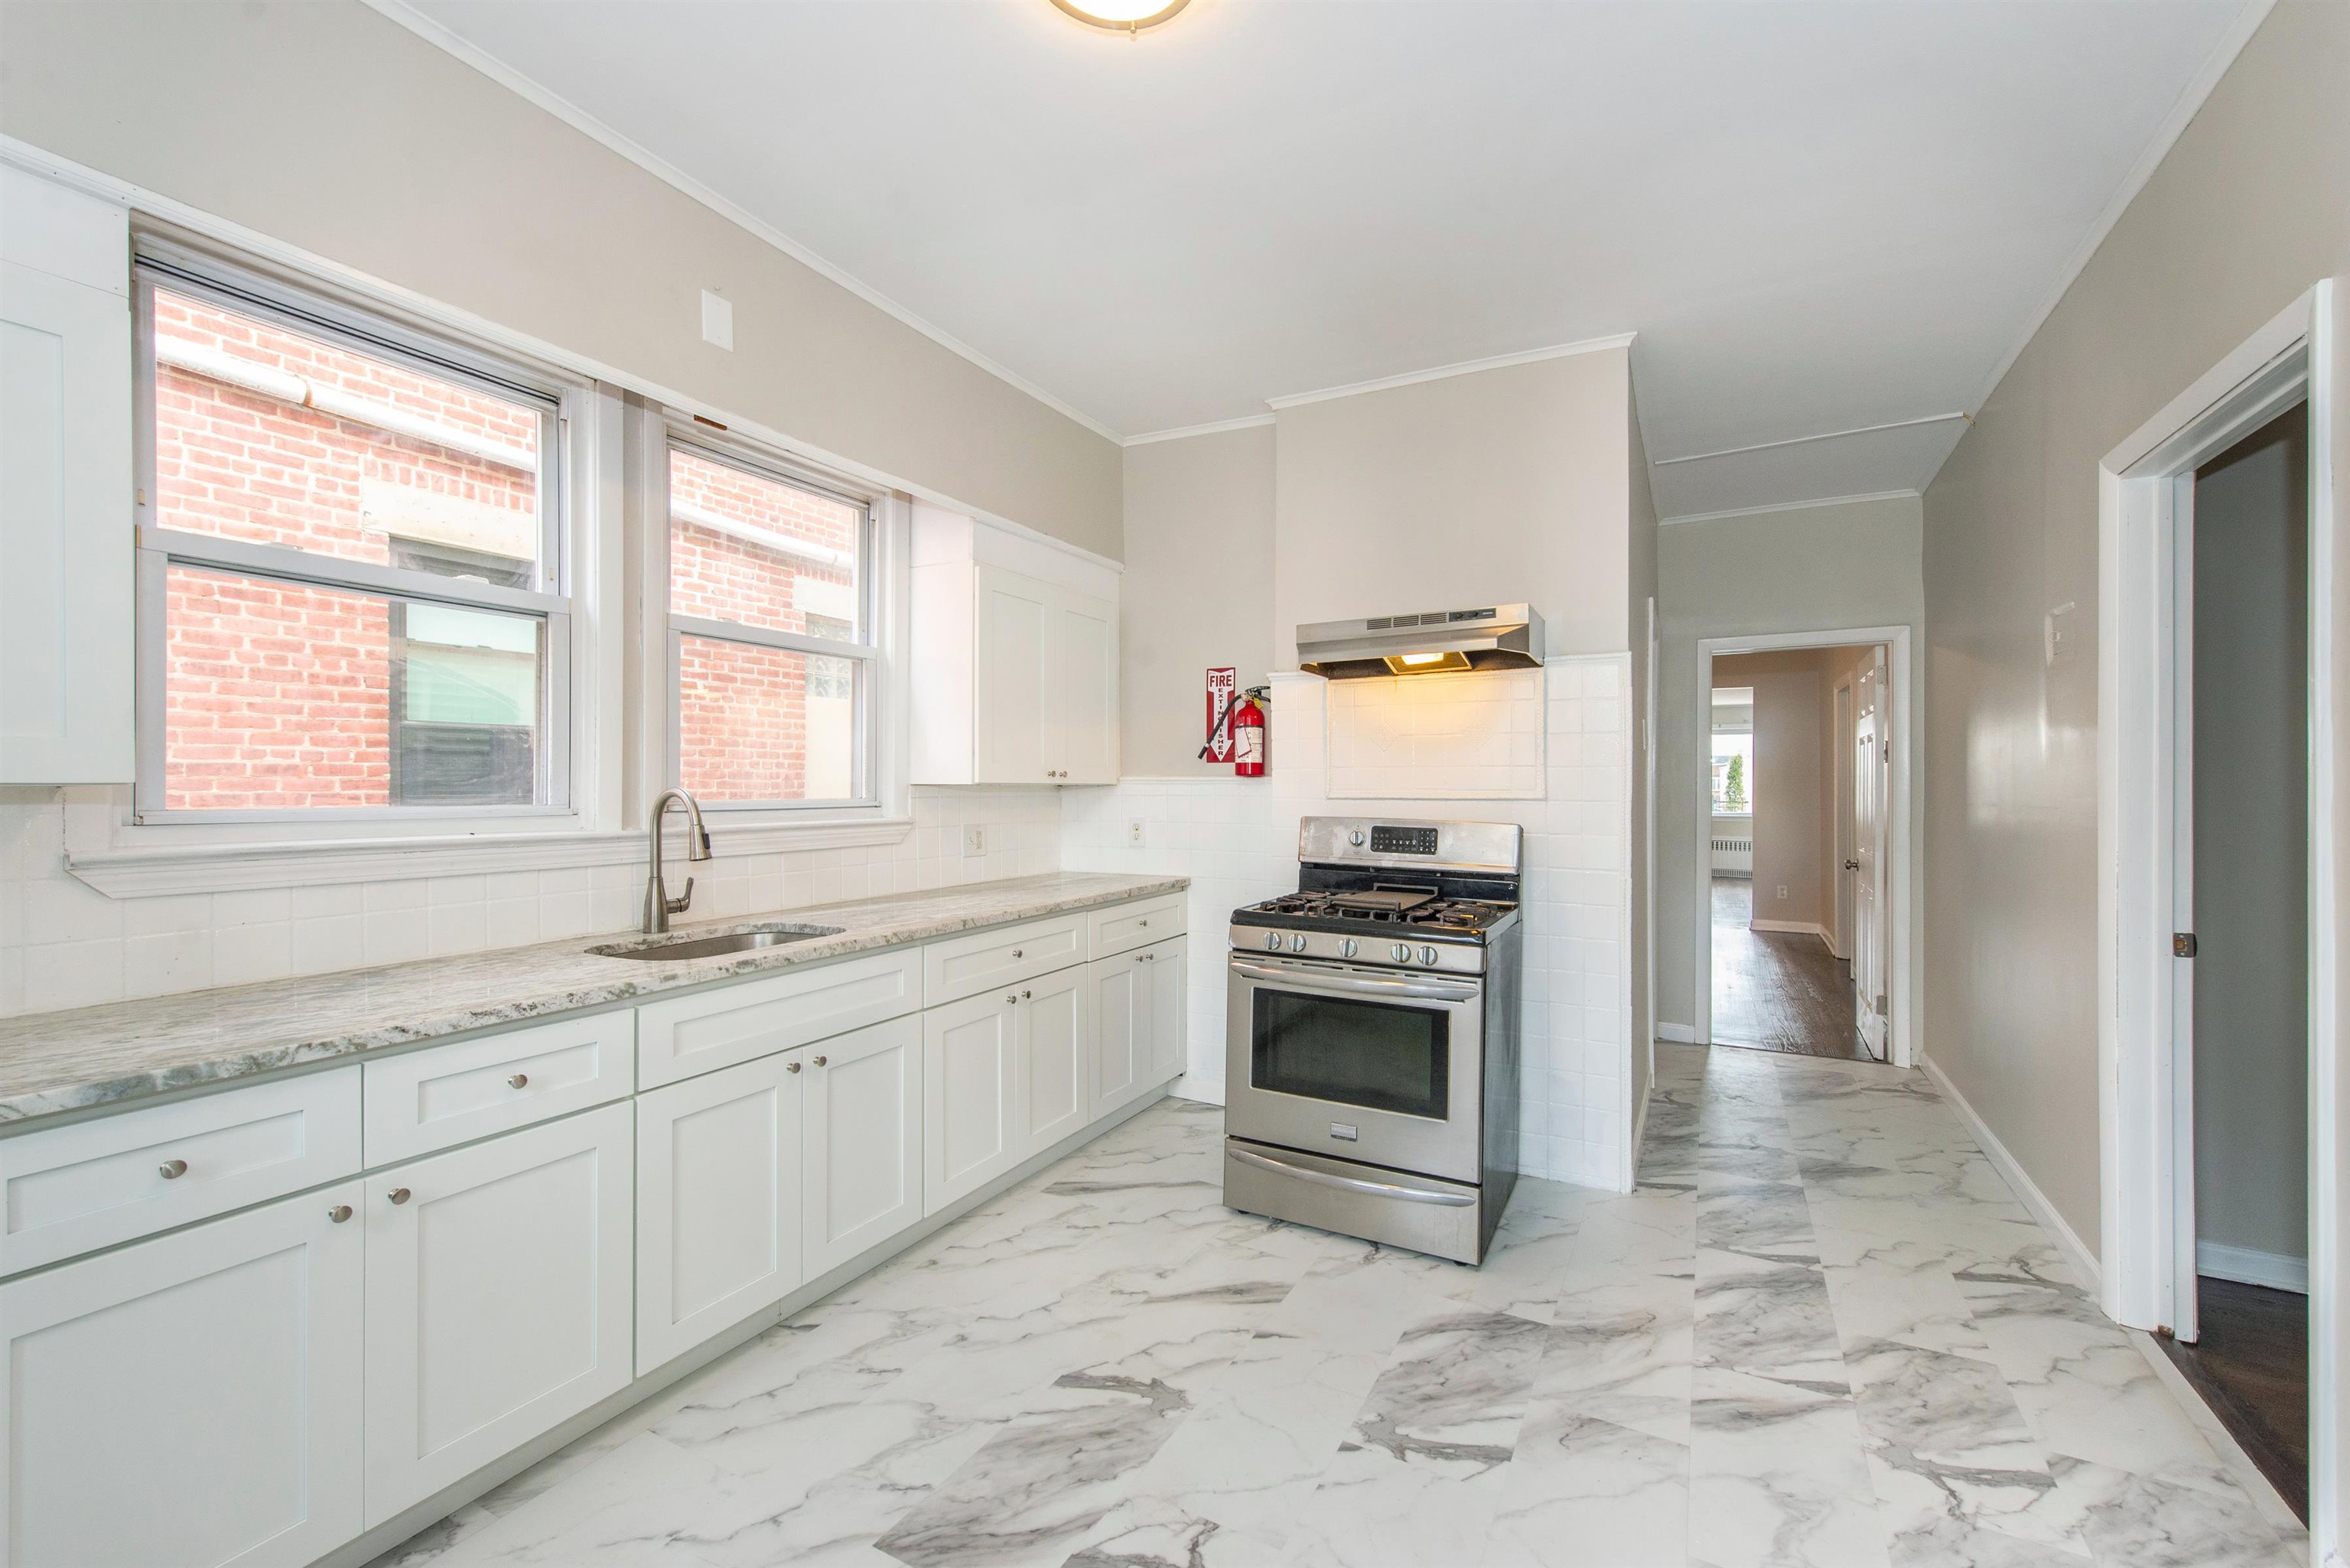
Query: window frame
874,668
158,262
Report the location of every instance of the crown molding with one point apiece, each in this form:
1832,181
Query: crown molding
1789,506
1466,368
470,53
1186,433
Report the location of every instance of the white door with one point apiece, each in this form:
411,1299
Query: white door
1846,753
719,1163
1871,764
66,541
970,1119
1122,1024
497,1299
1085,677
1170,1032
1016,705
862,1142
1055,1058
190,1400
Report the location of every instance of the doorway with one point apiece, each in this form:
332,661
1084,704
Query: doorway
1796,939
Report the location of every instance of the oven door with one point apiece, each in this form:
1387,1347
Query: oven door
1372,1065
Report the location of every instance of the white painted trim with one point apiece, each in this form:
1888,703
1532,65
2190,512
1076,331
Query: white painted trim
1904,875
1186,433
1795,927
2166,136
2084,1261
2249,1266
230,867
670,174
1466,368
1676,1033
1807,439
1789,506
383,295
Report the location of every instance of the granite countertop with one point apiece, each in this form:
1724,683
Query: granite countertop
56,1062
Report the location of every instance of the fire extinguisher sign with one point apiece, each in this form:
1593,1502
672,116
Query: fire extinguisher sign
1222,684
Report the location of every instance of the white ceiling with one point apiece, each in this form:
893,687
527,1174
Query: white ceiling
1817,216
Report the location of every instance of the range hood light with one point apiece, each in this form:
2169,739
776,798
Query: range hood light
1485,637
1128,16
1426,663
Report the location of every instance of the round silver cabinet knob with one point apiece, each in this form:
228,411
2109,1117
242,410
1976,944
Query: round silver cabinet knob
397,1195
819,1061
1347,947
172,1169
791,1066
1428,955
1272,941
1015,953
1297,943
339,1213
1400,952
520,1080
1356,838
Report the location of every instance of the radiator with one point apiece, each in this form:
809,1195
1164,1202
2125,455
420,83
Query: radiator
1733,855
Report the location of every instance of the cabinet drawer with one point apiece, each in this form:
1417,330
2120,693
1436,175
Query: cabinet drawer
75,1189
450,1095
1138,925
966,966
712,1029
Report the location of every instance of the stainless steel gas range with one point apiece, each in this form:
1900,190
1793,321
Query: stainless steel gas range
1371,1077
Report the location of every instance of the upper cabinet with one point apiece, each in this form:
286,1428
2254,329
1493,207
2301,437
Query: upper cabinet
67,550
1015,659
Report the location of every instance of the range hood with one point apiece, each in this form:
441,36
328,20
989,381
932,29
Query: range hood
1494,637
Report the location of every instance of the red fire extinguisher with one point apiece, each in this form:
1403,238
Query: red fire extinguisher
1248,734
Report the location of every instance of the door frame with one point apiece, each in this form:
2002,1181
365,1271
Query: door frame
1843,712
1900,880
2144,1079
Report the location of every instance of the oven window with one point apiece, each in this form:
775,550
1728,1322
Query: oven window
1368,1054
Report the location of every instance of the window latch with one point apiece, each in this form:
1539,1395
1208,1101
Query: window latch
2182,944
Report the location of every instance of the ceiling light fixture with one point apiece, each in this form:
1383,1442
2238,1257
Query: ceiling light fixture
1127,17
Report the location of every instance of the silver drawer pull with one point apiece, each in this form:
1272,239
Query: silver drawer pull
1144,924
1014,997
819,1061
1026,994
1355,1183
791,1066
397,1195
1015,953
172,1169
520,1080
339,1213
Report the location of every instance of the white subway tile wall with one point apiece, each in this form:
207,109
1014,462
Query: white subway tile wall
63,944
1237,839
1438,737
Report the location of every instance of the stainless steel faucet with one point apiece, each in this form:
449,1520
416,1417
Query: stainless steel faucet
658,905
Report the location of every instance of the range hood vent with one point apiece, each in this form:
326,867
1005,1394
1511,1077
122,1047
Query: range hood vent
1430,642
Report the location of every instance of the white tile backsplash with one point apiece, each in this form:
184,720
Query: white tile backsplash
1437,737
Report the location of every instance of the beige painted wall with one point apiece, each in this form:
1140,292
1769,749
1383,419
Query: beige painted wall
326,126
1485,488
2249,210
1640,595
1198,589
1790,748
1816,568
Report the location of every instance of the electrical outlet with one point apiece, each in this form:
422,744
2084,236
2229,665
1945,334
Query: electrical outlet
975,841
1783,890
1134,838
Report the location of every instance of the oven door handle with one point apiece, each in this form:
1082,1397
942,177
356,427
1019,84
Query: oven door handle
1322,980
1353,1183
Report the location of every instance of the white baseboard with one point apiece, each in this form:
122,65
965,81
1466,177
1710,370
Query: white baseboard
1795,927
1678,1034
2084,1261
2248,1267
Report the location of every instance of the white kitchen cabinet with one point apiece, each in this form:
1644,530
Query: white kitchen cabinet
66,546
498,1284
718,1204
1138,1032
970,1118
192,1400
1014,667
862,1142
1053,1055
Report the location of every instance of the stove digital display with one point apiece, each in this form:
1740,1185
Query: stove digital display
1402,840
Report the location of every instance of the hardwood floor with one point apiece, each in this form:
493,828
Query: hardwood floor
2252,1366
1777,991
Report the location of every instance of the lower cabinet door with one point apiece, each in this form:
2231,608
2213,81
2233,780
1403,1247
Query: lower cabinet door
497,1299
970,1121
1055,1058
1170,1031
863,1125
718,1201
192,1400
1122,1021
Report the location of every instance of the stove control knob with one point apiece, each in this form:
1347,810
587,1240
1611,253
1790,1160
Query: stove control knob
1273,942
1297,943
1400,952
1428,955
1356,838
1347,947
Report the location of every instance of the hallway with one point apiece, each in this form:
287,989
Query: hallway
1777,991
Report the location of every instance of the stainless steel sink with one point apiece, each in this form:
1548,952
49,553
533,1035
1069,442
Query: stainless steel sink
687,946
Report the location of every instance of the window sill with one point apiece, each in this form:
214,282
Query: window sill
219,867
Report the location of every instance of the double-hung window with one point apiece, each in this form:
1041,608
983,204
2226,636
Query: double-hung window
352,587
771,656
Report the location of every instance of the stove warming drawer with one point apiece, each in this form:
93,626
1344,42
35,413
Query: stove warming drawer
1423,1213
